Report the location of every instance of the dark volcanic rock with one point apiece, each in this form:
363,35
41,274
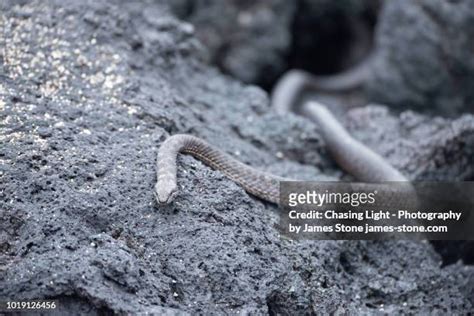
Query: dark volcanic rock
452,251
256,41
428,149
88,93
246,39
425,56
329,36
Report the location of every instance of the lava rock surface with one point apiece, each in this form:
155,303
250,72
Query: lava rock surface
257,41
246,39
424,56
88,92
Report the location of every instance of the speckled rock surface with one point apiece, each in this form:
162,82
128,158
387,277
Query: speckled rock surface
89,91
425,56
428,149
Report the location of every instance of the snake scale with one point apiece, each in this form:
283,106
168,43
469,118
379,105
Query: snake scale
353,156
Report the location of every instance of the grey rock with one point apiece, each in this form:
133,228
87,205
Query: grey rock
427,149
256,41
246,39
425,56
88,93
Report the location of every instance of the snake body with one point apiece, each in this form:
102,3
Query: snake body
261,184
352,155
295,82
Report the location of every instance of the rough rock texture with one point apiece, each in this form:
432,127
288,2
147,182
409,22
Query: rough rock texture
88,92
428,149
464,275
425,56
247,39
256,41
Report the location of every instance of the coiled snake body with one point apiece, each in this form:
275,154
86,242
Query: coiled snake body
352,155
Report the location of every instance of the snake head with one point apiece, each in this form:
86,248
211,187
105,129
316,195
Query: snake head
165,194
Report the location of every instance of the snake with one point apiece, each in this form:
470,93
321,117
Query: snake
294,82
351,155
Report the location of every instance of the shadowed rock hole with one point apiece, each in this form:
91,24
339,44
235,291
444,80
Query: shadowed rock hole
326,37
328,41
452,251
345,263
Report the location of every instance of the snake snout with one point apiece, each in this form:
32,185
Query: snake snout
165,195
